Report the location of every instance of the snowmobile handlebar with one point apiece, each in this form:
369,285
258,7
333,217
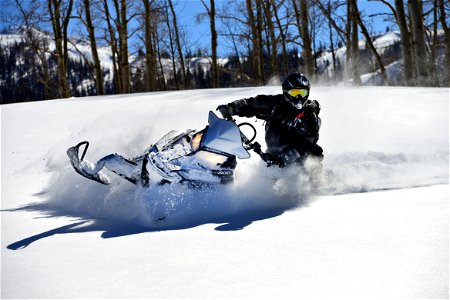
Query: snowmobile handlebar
248,143
268,158
244,137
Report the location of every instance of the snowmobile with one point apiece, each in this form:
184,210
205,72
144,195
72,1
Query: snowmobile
196,158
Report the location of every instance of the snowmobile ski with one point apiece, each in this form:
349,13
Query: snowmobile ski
77,163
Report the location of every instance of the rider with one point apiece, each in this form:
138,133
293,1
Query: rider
292,121
292,131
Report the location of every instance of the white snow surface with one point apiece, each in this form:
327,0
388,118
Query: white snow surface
376,228
386,40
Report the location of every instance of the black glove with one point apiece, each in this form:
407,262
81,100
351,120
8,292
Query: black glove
226,111
271,160
312,106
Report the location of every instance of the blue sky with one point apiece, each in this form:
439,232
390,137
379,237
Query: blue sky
200,36
199,33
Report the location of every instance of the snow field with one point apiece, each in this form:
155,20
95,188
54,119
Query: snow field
387,147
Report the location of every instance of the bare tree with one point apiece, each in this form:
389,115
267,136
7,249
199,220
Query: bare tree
406,45
212,21
282,36
348,44
443,18
369,42
315,25
232,23
432,36
29,19
418,34
113,42
343,35
254,43
302,17
178,43
162,79
122,30
330,31
354,42
150,56
60,17
273,41
171,46
259,31
93,43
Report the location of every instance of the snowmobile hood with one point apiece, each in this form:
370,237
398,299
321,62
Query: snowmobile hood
224,136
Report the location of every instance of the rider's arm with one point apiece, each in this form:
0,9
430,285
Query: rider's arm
306,134
260,107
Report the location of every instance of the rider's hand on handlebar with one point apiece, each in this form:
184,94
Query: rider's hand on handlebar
226,111
271,160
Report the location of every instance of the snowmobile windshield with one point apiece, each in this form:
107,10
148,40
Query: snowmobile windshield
224,136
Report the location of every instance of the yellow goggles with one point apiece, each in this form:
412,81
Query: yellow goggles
298,92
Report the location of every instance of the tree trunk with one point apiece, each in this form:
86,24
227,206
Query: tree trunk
348,44
178,43
447,38
97,66
355,46
283,39
60,36
150,58
330,29
123,46
65,27
273,41
215,68
405,43
434,44
420,49
156,42
259,29
114,51
118,46
254,40
303,28
172,49
313,34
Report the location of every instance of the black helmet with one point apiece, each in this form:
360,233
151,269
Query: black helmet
296,89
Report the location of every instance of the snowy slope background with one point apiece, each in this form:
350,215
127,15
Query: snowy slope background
386,44
377,228
79,50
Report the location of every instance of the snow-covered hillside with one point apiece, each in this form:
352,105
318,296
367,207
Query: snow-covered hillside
382,43
79,50
377,228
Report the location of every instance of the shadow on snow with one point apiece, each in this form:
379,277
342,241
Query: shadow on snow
113,228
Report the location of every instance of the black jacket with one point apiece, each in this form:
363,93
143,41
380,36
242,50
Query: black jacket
287,127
